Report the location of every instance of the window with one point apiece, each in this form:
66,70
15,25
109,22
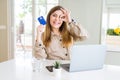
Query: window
113,39
25,25
114,18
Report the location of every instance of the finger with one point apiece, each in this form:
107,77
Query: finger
40,26
63,10
63,17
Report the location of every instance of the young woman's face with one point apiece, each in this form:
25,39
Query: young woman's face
56,19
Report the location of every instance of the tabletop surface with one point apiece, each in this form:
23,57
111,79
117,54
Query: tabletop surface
22,70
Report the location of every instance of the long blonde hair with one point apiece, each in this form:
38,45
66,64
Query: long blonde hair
67,39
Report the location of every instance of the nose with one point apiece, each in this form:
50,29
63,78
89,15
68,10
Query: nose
58,18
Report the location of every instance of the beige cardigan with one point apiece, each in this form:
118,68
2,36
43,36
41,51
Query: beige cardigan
56,50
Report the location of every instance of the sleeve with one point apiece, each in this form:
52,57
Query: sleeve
39,50
77,31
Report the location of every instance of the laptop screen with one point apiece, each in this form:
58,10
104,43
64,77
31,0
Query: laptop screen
87,57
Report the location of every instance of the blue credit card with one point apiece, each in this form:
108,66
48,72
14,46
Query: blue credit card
42,20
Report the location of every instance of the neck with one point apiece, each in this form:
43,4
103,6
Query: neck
56,31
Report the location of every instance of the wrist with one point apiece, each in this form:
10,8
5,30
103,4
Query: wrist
72,21
39,33
38,37
69,23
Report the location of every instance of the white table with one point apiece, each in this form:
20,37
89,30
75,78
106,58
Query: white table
22,70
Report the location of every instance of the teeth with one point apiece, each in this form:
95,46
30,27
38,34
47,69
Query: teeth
56,23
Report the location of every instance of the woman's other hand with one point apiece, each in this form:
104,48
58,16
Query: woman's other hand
66,16
40,29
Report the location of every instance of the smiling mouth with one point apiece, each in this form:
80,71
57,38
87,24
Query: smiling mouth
56,23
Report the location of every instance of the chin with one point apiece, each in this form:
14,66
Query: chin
57,27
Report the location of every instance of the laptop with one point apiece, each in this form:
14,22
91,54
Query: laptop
86,57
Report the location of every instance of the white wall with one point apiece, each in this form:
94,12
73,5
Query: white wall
88,14
113,58
113,2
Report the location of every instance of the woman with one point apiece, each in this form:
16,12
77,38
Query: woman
59,35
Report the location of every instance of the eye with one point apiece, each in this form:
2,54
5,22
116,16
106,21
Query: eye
62,17
54,15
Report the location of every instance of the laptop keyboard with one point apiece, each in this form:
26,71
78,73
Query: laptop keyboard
65,66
